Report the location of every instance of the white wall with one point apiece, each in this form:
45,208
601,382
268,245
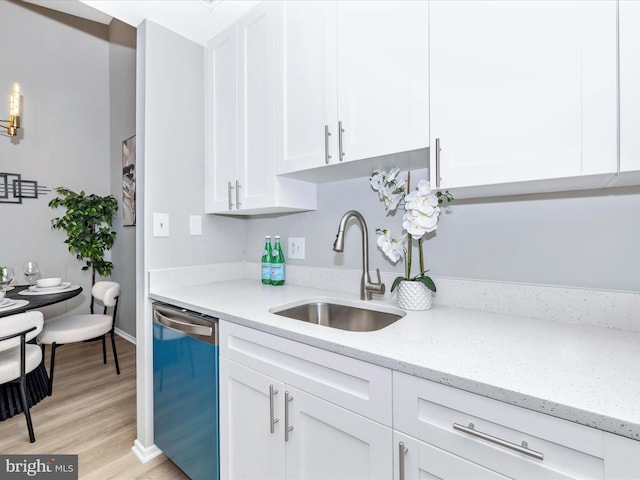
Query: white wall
62,65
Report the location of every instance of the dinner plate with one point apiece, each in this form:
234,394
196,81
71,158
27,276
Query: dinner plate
6,302
62,286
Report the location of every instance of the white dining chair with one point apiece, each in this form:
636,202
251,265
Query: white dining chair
86,327
17,357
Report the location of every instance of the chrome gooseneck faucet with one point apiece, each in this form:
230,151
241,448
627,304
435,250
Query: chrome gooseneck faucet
366,287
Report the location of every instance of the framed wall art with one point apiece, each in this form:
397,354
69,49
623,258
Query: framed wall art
129,181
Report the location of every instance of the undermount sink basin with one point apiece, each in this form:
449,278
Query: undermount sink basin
338,315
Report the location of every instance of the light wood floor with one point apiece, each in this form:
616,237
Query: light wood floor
92,413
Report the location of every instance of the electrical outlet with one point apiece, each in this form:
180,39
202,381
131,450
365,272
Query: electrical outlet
296,248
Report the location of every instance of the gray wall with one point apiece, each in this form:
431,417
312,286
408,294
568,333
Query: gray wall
78,84
585,239
122,118
62,65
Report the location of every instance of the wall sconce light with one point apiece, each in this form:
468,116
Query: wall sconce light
13,124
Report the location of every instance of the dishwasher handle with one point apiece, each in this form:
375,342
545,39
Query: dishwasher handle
183,327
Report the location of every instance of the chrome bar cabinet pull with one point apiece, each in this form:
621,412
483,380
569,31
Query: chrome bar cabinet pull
287,427
340,132
272,419
238,195
523,448
229,188
437,163
402,451
327,134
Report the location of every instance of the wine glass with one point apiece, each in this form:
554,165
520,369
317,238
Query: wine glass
30,270
6,277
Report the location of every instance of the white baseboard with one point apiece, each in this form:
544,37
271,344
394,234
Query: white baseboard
143,453
126,336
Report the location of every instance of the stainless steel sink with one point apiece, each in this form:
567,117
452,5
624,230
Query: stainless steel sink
338,315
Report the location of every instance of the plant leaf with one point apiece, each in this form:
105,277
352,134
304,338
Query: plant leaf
396,282
427,282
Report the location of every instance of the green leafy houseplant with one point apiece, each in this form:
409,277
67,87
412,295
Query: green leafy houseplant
422,210
88,223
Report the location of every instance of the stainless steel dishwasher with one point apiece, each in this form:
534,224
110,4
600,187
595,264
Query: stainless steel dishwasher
185,389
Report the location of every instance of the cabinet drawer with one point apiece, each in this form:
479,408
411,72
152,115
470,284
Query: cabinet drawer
439,415
355,385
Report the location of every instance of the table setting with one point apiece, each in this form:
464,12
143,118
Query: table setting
48,286
38,293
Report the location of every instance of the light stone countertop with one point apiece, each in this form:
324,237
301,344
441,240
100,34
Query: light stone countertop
581,373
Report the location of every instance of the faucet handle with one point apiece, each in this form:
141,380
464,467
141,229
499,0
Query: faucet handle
377,287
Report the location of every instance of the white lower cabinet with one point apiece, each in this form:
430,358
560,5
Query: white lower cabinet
292,411
271,426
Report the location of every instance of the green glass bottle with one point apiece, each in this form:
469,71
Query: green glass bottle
277,264
266,261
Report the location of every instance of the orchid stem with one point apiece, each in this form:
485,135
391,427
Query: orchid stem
421,257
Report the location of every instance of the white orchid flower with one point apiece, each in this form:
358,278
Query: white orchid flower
422,211
390,190
376,179
393,248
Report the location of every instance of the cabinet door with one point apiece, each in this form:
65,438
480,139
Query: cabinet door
383,77
329,442
256,171
420,460
306,80
629,86
248,448
522,91
221,126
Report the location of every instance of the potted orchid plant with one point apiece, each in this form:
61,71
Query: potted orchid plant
422,210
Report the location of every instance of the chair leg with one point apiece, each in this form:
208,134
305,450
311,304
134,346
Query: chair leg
104,351
115,355
51,365
25,408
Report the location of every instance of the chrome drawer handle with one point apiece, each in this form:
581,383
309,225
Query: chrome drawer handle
287,427
523,448
272,418
402,451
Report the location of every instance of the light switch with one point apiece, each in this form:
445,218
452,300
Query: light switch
160,224
296,248
195,224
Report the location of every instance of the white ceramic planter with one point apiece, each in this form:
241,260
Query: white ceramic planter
413,296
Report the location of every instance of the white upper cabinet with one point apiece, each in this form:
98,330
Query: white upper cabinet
353,82
256,107
630,87
240,165
221,120
523,95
